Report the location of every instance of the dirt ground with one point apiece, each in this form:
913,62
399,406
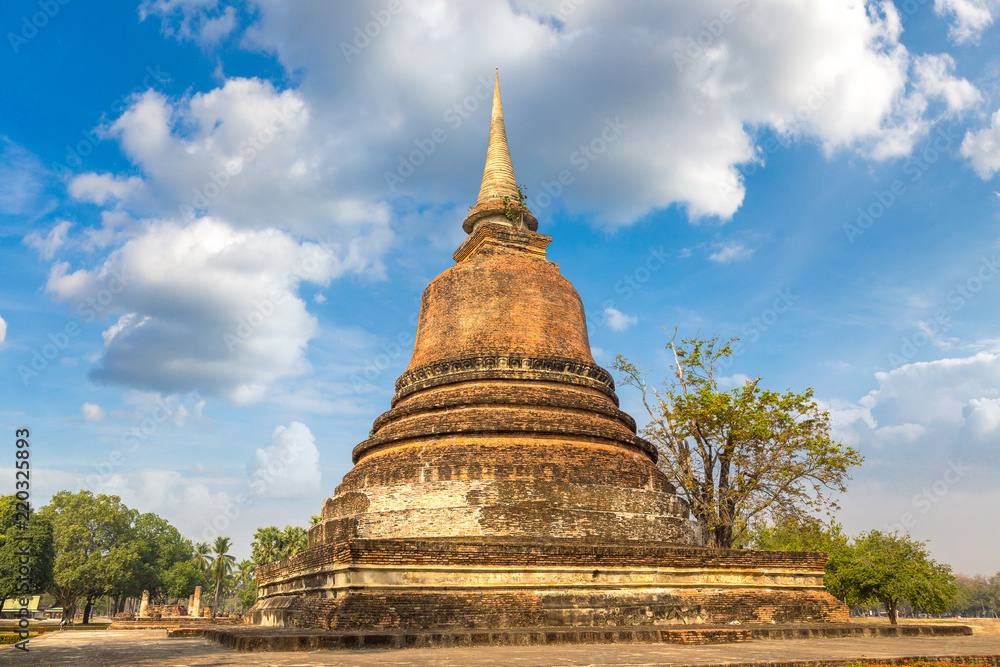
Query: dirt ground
149,648
980,626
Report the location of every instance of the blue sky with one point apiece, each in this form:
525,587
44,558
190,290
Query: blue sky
217,219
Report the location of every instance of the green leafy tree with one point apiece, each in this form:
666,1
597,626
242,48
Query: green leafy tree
183,577
266,546
271,543
798,534
293,540
889,568
222,565
246,584
801,534
977,596
742,456
24,535
94,549
160,546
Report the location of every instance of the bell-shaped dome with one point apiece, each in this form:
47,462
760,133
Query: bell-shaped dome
502,424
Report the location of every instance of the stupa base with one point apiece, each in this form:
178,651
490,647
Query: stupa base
502,583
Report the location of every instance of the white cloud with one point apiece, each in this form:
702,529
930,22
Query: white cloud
616,320
934,79
204,306
730,252
92,412
899,434
930,435
934,409
46,246
970,18
982,149
102,188
731,381
3,330
834,72
289,466
205,22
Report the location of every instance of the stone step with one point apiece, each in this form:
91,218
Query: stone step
252,639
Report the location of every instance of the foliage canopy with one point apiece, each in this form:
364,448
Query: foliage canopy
742,456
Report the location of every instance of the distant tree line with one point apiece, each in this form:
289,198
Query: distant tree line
87,548
883,570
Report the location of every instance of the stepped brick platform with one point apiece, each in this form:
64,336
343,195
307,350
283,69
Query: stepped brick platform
272,639
504,490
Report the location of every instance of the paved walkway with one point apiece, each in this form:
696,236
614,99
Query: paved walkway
141,648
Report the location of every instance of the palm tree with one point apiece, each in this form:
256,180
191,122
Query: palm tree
293,540
244,572
202,555
266,545
222,565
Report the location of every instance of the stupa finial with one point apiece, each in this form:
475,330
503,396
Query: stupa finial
498,175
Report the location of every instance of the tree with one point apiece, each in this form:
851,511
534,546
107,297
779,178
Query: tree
293,540
271,543
183,577
890,568
246,584
202,555
741,456
24,535
160,547
222,565
266,546
977,596
798,534
93,547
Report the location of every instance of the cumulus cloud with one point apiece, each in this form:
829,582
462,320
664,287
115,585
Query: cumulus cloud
289,466
92,412
930,434
3,330
936,410
835,73
934,78
101,188
982,149
204,22
204,306
616,320
730,252
969,17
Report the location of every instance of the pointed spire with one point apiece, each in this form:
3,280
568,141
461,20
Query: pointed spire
498,176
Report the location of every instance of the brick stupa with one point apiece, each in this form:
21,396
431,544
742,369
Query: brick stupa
505,488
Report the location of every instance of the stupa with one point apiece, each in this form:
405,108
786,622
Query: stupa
505,488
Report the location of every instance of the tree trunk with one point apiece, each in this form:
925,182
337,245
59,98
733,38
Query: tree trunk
69,611
215,608
890,607
86,610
